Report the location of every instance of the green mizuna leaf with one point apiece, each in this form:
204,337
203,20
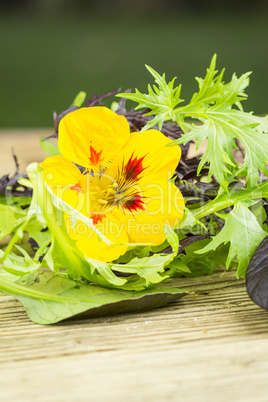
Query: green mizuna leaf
243,232
48,298
219,148
161,99
203,264
133,253
180,266
217,105
210,88
222,124
213,90
19,265
189,220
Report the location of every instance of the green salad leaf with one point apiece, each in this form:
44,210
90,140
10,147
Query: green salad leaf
202,264
50,298
225,213
10,218
162,100
19,265
60,282
79,99
49,147
244,233
217,105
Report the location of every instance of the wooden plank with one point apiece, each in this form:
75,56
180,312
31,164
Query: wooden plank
211,345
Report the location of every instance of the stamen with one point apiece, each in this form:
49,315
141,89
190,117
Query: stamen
122,190
101,201
111,190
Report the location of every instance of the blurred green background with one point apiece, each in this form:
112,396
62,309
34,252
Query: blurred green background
52,49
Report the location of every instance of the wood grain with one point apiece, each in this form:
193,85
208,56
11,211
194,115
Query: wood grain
212,345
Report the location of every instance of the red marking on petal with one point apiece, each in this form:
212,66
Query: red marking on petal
135,203
97,218
77,187
133,168
95,157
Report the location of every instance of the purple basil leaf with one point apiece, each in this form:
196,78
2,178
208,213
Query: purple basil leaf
257,275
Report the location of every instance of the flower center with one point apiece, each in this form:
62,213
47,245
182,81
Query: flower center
122,190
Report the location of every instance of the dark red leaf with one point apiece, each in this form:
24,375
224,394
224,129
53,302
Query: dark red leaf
257,275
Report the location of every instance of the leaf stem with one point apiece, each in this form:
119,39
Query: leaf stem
14,288
14,239
226,200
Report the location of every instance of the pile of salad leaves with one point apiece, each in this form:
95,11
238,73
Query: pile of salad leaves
224,224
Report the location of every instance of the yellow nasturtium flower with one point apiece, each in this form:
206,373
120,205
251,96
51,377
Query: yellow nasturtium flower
122,182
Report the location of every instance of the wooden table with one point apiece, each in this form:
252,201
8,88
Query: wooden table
209,346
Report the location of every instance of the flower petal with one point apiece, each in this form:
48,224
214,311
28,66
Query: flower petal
163,204
158,161
92,136
92,246
67,182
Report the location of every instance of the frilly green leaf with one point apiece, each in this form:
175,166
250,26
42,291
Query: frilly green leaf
217,105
